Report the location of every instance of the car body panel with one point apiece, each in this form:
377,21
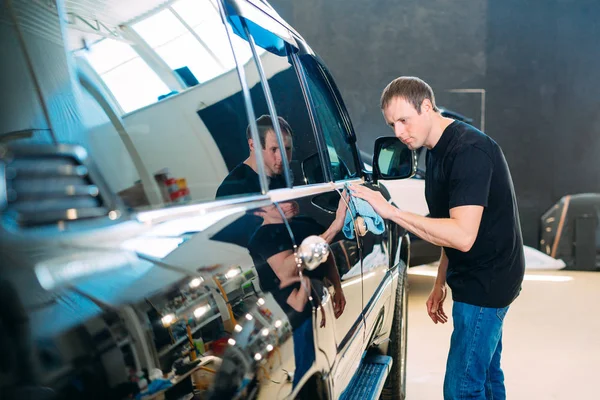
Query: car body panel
117,257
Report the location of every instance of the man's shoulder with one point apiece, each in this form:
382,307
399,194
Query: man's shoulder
241,180
471,140
240,171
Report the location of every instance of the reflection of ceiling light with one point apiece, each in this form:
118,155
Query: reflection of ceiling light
249,317
194,283
261,302
200,311
167,320
355,281
231,342
257,357
238,328
71,213
265,332
278,324
176,223
152,246
232,272
269,347
57,271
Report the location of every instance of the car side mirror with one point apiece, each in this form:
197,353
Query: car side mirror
312,170
392,159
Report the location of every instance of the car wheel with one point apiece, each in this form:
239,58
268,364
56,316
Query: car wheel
395,385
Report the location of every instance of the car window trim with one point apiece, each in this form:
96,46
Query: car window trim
286,194
349,131
243,203
316,123
270,103
259,16
260,164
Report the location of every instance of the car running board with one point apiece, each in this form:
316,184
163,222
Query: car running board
368,381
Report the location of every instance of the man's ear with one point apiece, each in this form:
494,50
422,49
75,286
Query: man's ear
426,105
251,144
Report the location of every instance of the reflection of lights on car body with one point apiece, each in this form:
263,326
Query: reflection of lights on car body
265,332
238,328
232,273
200,311
278,324
57,271
261,302
249,317
231,342
194,283
167,320
269,347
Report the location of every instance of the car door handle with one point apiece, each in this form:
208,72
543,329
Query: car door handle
360,225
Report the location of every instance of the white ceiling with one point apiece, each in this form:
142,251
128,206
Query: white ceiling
113,12
105,16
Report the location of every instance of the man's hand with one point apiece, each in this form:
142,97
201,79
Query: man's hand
435,304
271,215
339,302
340,213
375,199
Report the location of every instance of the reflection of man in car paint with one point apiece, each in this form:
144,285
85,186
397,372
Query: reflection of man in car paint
244,178
272,250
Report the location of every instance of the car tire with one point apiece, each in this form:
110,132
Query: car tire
395,384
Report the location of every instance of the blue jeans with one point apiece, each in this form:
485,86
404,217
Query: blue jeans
473,369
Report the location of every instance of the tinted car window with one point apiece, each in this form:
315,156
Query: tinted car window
290,105
327,112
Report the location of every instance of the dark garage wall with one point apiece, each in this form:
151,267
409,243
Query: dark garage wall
543,83
539,63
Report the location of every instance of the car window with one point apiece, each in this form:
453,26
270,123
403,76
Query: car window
290,103
191,146
327,112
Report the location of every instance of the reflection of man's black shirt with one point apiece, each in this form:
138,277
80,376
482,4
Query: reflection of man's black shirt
273,239
243,180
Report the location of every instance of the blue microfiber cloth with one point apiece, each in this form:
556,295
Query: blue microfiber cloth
154,387
361,207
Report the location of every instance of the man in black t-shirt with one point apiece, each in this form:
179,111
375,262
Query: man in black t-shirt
244,179
474,217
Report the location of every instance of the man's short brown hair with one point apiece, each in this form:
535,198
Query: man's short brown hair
265,124
412,89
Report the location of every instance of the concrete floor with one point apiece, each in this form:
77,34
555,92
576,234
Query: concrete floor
551,345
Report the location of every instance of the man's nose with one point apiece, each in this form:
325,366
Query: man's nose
399,131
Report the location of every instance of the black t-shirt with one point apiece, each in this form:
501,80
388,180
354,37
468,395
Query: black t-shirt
466,167
243,180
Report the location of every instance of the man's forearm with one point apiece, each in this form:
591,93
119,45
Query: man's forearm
444,232
332,272
440,280
330,233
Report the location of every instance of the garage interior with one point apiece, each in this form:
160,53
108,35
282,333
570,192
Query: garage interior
526,74
538,68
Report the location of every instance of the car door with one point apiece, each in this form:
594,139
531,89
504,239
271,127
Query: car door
105,274
281,93
345,167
